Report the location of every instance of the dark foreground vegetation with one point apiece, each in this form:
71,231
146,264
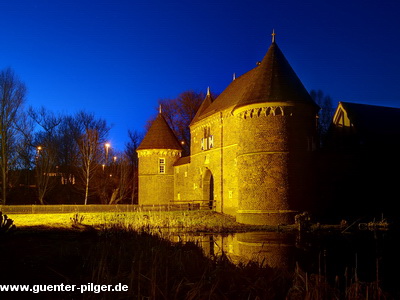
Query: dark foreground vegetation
152,268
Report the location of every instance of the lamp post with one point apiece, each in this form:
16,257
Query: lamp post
107,146
38,149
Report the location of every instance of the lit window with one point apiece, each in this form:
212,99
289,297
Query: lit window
161,165
207,142
210,141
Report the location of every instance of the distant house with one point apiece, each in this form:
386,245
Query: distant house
366,127
358,171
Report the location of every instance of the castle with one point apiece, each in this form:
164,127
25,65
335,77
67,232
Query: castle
251,149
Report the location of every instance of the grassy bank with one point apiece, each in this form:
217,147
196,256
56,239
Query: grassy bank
191,221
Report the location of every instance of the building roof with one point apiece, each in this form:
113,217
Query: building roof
182,161
160,136
204,105
273,80
372,119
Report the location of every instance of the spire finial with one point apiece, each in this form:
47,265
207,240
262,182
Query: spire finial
273,36
159,109
208,91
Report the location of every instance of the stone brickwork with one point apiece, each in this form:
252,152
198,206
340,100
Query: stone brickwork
264,153
155,186
251,149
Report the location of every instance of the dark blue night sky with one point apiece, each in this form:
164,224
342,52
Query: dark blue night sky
117,58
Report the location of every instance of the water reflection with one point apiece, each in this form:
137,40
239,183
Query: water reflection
267,248
367,256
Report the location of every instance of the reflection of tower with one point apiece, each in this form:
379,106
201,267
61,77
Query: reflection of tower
157,154
271,248
212,245
277,133
211,193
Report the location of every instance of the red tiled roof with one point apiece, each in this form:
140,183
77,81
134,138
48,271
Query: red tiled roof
160,136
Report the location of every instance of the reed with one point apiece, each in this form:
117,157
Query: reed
317,287
133,249
156,268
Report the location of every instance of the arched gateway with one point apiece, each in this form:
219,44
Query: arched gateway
208,189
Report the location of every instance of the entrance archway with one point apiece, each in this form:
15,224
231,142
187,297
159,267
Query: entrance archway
208,189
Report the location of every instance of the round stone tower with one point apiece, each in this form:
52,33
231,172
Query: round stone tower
277,125
157,154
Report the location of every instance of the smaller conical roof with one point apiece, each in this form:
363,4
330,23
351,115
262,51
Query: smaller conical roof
206,103
160,136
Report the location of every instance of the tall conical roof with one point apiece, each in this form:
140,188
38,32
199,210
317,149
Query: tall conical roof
273,80
160,136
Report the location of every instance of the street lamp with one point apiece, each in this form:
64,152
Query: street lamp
38,148
107,145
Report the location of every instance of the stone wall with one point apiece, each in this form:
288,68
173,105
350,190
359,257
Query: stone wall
263,158
156,187
259,159
220,160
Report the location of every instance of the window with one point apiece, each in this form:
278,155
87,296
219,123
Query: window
161,166
278,111
210,142
207,142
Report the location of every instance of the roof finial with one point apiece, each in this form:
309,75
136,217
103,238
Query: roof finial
159,109
273,36
234,76
208,91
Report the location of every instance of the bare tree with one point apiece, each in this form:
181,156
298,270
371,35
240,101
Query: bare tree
325,114
135,138
25,159
179,112
121,178
90,140
46,144
12,97
89,151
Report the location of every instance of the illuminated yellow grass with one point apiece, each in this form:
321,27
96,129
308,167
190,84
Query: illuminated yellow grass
194,220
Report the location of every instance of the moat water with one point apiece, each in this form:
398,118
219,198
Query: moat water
365,256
